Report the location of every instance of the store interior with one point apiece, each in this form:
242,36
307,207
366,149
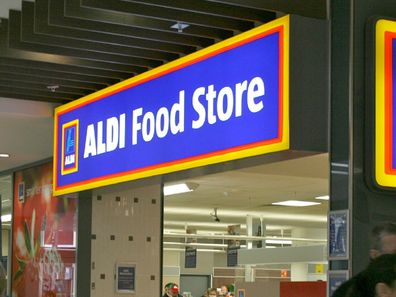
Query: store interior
237,202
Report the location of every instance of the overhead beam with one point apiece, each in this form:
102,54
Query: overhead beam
94,75
29,35
23,96
116,17
8,81
57,74
45,95
16,41
6,51
50,20
308,8
169,14
86,87
136,65
214,9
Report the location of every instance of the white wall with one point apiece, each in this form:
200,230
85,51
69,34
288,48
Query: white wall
171,270
220,260
205,262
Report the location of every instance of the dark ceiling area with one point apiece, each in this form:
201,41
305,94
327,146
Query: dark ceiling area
61,50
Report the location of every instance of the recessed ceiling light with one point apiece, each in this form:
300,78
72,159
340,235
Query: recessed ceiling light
4,155
52,88
295,203
179,188
325,197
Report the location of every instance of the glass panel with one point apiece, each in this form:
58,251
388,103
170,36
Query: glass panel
6,201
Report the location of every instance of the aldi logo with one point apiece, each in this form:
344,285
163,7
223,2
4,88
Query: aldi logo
70,147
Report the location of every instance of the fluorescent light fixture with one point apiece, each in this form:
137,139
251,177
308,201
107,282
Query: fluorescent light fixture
325,197
4,155
196,244
6,218
227,213
278,241
198,250
201,224
179,188
296,203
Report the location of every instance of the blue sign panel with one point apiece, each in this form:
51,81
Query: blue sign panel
226,102
338,235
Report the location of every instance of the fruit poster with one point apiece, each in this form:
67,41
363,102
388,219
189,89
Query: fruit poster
43,238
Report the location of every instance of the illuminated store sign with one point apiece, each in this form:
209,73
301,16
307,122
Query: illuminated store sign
385,96
226,102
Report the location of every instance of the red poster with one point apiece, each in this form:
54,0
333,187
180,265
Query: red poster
44,237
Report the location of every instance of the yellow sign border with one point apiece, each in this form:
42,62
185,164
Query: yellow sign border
381,176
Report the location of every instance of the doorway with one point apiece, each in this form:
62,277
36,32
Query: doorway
285,203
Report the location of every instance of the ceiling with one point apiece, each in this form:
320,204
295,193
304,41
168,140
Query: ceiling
251,191
56,51
60,50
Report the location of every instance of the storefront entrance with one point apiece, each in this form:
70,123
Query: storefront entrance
284,202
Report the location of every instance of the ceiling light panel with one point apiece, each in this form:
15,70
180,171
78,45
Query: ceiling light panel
295,203
173,210
176,189
324,197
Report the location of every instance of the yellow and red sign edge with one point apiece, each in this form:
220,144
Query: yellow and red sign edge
279,144
385,174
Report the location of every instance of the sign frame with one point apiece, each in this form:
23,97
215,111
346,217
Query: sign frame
117,277
21,192
382,32
342,275
280,143
343,220
241,293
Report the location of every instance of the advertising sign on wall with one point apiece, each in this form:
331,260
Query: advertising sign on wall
385,103
43,237
335,278
226,102
338,235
